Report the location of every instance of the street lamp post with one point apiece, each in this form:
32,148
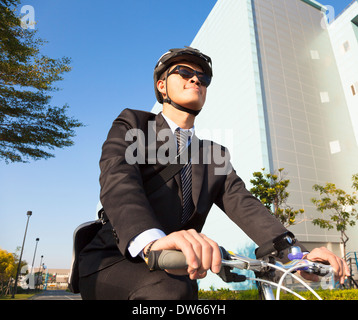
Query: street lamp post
39,278
33,259
32,266
41,263
29,213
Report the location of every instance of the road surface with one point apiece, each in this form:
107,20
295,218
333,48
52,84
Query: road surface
56,295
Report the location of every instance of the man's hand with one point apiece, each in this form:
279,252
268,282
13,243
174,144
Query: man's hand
323,255
201,252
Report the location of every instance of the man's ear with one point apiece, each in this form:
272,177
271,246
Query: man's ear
161,87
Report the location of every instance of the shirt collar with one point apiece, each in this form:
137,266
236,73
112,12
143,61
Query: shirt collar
173,126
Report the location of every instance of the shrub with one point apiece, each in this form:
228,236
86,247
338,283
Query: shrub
227,294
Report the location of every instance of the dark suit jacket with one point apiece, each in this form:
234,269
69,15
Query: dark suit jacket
130,211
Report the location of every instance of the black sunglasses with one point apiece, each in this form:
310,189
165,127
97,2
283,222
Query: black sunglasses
187,73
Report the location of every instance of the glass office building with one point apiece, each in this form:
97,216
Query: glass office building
284,95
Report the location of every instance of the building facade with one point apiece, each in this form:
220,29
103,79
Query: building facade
343,32
283,96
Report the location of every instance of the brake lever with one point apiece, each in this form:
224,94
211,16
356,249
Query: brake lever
227,275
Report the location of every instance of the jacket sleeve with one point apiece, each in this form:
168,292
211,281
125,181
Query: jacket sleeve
122,194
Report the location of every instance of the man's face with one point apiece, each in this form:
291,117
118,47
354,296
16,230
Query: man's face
189,93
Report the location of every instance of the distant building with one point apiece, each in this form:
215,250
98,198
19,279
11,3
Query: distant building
284,95
56,279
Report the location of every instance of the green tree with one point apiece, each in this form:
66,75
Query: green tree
7,271
271,190
29,126
340,207
8,267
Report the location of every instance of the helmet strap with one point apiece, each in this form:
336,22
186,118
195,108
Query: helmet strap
181,108
175,105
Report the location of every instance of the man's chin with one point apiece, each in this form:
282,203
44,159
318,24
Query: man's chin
195,106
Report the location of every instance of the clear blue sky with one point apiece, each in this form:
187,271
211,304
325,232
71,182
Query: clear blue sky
114,46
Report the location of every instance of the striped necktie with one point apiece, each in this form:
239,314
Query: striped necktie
183,137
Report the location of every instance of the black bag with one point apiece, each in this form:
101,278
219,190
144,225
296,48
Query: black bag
82,236
85,232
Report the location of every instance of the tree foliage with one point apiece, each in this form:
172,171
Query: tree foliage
29,125
9,263
7,271
340,208
271,190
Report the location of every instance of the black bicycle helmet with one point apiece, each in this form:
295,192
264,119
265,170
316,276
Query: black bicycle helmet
173,56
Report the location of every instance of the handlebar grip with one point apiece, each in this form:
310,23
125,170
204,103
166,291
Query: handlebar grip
166,259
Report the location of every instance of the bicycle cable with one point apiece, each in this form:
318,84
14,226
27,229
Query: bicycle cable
276,285
285,273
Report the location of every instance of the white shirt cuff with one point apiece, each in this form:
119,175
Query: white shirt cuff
138,243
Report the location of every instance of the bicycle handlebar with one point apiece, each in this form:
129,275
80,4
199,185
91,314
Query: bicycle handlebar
263,268
166,259
172,259
308,266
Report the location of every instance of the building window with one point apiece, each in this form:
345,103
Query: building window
324,97
346,47
314,55
335,147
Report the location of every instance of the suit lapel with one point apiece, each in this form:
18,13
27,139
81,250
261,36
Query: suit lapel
161,124
198,168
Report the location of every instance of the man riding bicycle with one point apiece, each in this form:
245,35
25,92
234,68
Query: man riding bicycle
113,265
